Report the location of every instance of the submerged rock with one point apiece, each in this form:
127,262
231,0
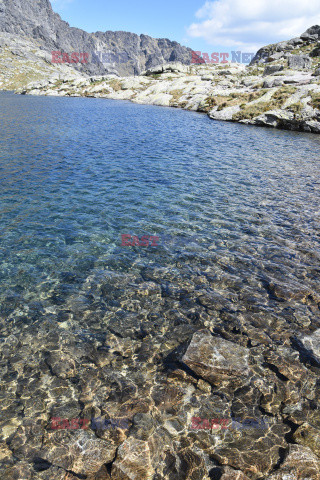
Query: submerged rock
231,474
78,451
300,463
133,461
312,344
215,359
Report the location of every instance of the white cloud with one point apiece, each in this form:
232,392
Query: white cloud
251,24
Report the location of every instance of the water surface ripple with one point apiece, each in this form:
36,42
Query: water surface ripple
89,327
237,203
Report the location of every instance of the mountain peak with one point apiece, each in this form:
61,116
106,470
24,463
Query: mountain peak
36,19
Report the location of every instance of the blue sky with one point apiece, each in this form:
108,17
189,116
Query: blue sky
206,26
163,19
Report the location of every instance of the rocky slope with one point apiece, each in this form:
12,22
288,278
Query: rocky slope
130,53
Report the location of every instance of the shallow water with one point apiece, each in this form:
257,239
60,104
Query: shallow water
88,326
77,173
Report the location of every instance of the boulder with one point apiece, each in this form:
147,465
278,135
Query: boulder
215,359
207,77
295,41
170,67
311,344
300,462
312,34
270,69
272,82
225,114
273,118
312,126
276,56
299,62
315,52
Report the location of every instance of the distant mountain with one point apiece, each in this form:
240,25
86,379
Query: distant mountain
124,53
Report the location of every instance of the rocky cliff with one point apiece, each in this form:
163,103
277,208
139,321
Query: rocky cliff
127,53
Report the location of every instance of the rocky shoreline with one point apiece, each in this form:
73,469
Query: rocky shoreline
268,96
279,89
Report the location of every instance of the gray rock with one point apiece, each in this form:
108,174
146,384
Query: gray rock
248,82
225,114
276,56
264,54
299,62
282,46
295,41
317,72
272,82
216,359
207,77
277,82
273,118
130,53
270,69
312,344
268,83
312,34
261,56
315,52
168,68
312,126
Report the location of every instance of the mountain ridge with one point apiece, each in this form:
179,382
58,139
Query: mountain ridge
37,20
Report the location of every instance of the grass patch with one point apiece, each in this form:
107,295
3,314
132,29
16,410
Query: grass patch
315,100
58,84
304,49
296,108
251,111
115,85
283,93
255,71
223,101
176,95
277,101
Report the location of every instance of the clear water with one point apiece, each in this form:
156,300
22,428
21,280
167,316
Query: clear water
236,209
